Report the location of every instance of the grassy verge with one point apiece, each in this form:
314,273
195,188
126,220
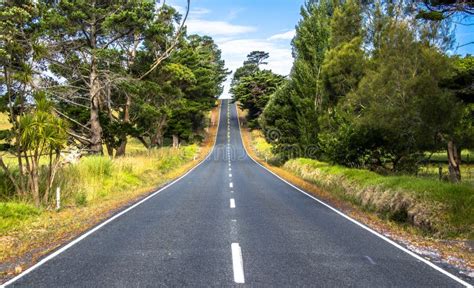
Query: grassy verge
439,208
386,203
445,209
92,190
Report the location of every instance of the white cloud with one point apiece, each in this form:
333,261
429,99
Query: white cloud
196,12
216,28
283,36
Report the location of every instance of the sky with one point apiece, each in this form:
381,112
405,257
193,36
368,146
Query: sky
241,26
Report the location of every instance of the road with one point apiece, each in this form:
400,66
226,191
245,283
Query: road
231,222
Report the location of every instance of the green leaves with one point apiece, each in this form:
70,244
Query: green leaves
41,128
253,92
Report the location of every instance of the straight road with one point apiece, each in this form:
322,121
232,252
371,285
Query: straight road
230,222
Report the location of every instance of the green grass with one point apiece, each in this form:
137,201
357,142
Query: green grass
467,156
12,214
453,203
98,177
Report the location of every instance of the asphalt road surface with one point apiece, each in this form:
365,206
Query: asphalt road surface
230,222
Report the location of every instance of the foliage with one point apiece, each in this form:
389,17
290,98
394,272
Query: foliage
110,70
250,66
372,87
253,92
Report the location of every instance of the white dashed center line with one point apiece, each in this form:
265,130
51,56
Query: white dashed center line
237,263
232,203
231,185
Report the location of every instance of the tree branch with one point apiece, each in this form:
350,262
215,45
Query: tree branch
166,54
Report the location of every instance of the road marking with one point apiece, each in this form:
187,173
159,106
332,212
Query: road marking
231,191
232,203
231,185
237,263
230,169
370,260
94,229
363,226
230,175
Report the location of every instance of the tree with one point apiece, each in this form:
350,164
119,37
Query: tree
202,56
304,99
442,9
159,38
343,65
83,43
462,132
41,133
278,123
253,92
257,58
90,47
20,47
405,102
252,65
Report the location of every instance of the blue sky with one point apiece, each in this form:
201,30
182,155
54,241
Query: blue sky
241,26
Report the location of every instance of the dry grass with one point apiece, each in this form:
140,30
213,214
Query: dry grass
456,252
40,231
4,123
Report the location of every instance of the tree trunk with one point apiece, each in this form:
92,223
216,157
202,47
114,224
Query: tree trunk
157,139
454,161
96,128
122,147
126,119
110,149
175,141
34,182
94,90
126,112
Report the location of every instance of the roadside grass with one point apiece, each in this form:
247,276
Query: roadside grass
12,214
262,147
96,179
439,208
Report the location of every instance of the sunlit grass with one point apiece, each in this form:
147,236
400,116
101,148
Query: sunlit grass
4,123
441,207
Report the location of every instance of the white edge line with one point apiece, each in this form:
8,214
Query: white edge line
237,263
86,234
418,257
